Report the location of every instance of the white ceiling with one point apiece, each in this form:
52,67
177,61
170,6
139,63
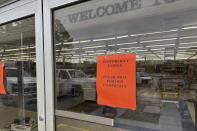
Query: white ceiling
11,34
156,37
18,37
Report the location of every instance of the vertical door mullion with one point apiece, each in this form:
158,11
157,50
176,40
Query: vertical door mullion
40,67
49,75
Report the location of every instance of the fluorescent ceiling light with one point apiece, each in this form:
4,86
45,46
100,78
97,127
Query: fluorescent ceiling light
74,42
191,53
188,47
158,40
67,53
161,45
21,48
148,53
11,49
169,53
190,27
58,44
124,48
183,47
90,51
101,50
166,51
20,54
90,54
104,39
157,49
123,36
76,55
67,49
84,41
94,54
127,43
92,47
188,43
100,53
24,56
152,33
112,45
188,37
31,47
77,48
136,47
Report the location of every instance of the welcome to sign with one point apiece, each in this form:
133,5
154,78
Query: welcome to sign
112,9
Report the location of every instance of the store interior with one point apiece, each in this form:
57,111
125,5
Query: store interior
166,69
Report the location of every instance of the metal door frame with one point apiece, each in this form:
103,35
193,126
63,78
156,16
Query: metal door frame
19,9
48,7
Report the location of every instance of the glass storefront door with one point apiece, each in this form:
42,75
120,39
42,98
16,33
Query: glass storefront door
162,34
18,87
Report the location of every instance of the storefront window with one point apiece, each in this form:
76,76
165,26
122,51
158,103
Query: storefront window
18,90
163,36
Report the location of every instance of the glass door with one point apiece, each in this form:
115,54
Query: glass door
18,96
22,103
162,36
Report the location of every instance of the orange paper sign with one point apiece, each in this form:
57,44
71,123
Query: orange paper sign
116,80
2,89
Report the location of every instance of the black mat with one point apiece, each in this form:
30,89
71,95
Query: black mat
85,107
139,115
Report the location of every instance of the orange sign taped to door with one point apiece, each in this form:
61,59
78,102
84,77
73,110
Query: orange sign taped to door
116,80
2,89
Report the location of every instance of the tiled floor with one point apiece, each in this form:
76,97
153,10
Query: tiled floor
170,117
8,114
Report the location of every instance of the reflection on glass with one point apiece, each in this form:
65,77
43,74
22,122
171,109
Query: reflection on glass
12,72
77,74
166,65
18,107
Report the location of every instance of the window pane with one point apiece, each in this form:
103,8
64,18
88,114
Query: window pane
163,36
18,96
